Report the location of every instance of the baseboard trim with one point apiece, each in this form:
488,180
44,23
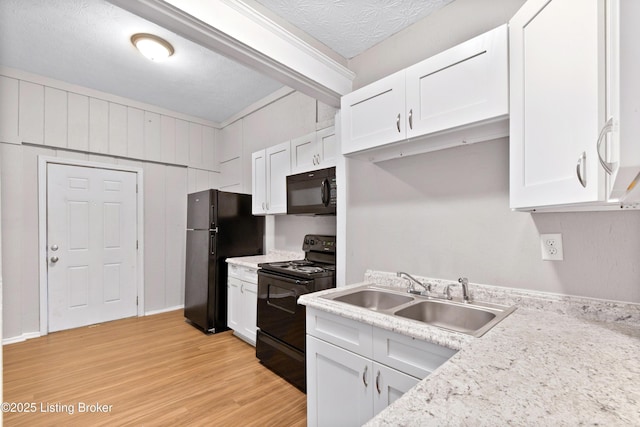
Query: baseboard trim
163,310
21,338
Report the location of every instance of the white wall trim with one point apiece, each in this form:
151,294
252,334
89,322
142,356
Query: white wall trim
269,99
82,90
164,310
43,161
21,338
224,29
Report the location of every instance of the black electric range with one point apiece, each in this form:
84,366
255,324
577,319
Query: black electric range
280,342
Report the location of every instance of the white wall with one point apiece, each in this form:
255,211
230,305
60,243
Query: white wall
446,214
40,116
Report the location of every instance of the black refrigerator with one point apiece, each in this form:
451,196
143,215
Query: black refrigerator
219,226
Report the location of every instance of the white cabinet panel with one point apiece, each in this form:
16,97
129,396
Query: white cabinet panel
168,139
304,153
234,303
152,140
98,126
9,101
78,138
135,133
117,129
182,142
230,145
390,385
460,86
259,182
278,167
343,383
31,112
374,115
327,146
347,333
55,117
242,301
230,173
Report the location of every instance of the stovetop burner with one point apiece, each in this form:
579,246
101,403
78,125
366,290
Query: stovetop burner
319,260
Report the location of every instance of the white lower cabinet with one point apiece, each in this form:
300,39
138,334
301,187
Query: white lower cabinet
242,300
355,370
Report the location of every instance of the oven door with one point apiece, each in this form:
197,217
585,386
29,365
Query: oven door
279,314
312,193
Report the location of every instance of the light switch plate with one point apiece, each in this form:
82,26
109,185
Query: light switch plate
551,246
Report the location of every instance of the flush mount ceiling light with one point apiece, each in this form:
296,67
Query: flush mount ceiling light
153,47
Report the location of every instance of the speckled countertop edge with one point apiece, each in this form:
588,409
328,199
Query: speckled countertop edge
275,255
557,360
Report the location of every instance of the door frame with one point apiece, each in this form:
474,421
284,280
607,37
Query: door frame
43,162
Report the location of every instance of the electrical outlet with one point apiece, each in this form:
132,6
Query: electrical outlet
551,245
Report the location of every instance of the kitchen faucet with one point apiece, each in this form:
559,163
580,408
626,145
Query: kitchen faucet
464,282
412,280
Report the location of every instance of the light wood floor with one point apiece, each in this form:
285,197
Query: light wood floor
153,371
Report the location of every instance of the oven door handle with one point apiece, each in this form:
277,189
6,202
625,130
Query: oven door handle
285,279
286,310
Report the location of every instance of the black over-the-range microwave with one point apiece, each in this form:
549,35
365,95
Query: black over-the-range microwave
312,193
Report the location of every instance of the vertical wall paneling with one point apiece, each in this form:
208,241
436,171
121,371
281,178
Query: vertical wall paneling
168,139
231,172
195,145
202,179
214,180
98,125
55,117
191,180
175,226
152,142
31,113
12,231
117,129
102,159
9,100
78,122
135,133
209,148
154,236
182,142
229,144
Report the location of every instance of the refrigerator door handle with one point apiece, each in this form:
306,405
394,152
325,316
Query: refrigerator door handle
213,243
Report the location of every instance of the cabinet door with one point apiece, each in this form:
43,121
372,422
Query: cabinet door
278,167
249,294
327,146
463,85
259,182
343,383
305,155
234,303
389,386
374,115
557,102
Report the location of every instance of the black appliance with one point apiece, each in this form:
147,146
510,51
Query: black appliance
280,341
219,225
312,193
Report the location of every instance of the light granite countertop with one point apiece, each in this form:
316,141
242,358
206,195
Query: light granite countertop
557,360
272,256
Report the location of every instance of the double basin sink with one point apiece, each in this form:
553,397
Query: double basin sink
472,318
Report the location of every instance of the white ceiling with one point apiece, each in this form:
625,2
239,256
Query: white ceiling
86,42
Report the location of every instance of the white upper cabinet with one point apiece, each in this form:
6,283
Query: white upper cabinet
458,96
270,168
567,118
315,150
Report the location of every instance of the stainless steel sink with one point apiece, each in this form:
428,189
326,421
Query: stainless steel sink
374,299
474,318
465,318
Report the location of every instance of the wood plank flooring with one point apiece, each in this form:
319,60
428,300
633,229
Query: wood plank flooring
151,371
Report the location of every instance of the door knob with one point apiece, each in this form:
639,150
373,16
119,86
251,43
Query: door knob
54,259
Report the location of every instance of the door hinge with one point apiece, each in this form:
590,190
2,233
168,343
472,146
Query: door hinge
136,188
137,246
137,300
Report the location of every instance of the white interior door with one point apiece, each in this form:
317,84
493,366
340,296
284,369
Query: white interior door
91,245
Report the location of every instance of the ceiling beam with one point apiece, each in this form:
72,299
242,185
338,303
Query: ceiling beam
231,28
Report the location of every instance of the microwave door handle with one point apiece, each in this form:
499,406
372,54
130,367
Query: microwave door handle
326,191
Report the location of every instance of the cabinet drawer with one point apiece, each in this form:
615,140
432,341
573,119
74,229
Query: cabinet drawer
243,273
346,333
412,356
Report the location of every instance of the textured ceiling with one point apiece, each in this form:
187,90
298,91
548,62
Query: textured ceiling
350,27
86,42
